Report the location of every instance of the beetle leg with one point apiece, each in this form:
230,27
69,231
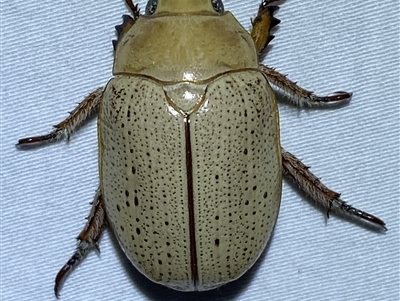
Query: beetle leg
313,187
263,24
128,22
134,9
88,239
66,127
298,95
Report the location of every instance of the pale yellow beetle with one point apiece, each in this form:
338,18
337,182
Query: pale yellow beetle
189,152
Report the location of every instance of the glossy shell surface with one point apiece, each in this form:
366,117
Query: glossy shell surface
190,167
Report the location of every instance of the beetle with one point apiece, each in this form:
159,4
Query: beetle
190,161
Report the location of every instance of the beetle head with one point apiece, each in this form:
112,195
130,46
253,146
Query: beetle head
184,6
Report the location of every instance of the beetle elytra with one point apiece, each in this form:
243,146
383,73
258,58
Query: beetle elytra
190,161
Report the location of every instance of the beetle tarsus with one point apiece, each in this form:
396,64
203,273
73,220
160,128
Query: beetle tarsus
81,252
363,215
54,135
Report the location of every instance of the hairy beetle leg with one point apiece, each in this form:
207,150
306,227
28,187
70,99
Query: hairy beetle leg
88,239
65,128
298,95
262,25
328,198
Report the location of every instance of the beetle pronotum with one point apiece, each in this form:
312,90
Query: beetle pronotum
190,160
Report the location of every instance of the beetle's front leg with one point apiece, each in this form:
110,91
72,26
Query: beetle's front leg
263,23
297,94
66,127
328,198
88,239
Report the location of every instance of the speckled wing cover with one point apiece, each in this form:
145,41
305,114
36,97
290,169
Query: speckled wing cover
235,164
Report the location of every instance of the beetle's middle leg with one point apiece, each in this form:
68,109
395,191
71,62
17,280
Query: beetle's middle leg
299,95
66,127
324,196
263,23
88,239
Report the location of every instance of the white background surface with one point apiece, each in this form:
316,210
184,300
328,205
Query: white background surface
55,52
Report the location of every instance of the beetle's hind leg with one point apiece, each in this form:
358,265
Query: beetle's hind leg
321,194
75,119
298,95
263,24
88,239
